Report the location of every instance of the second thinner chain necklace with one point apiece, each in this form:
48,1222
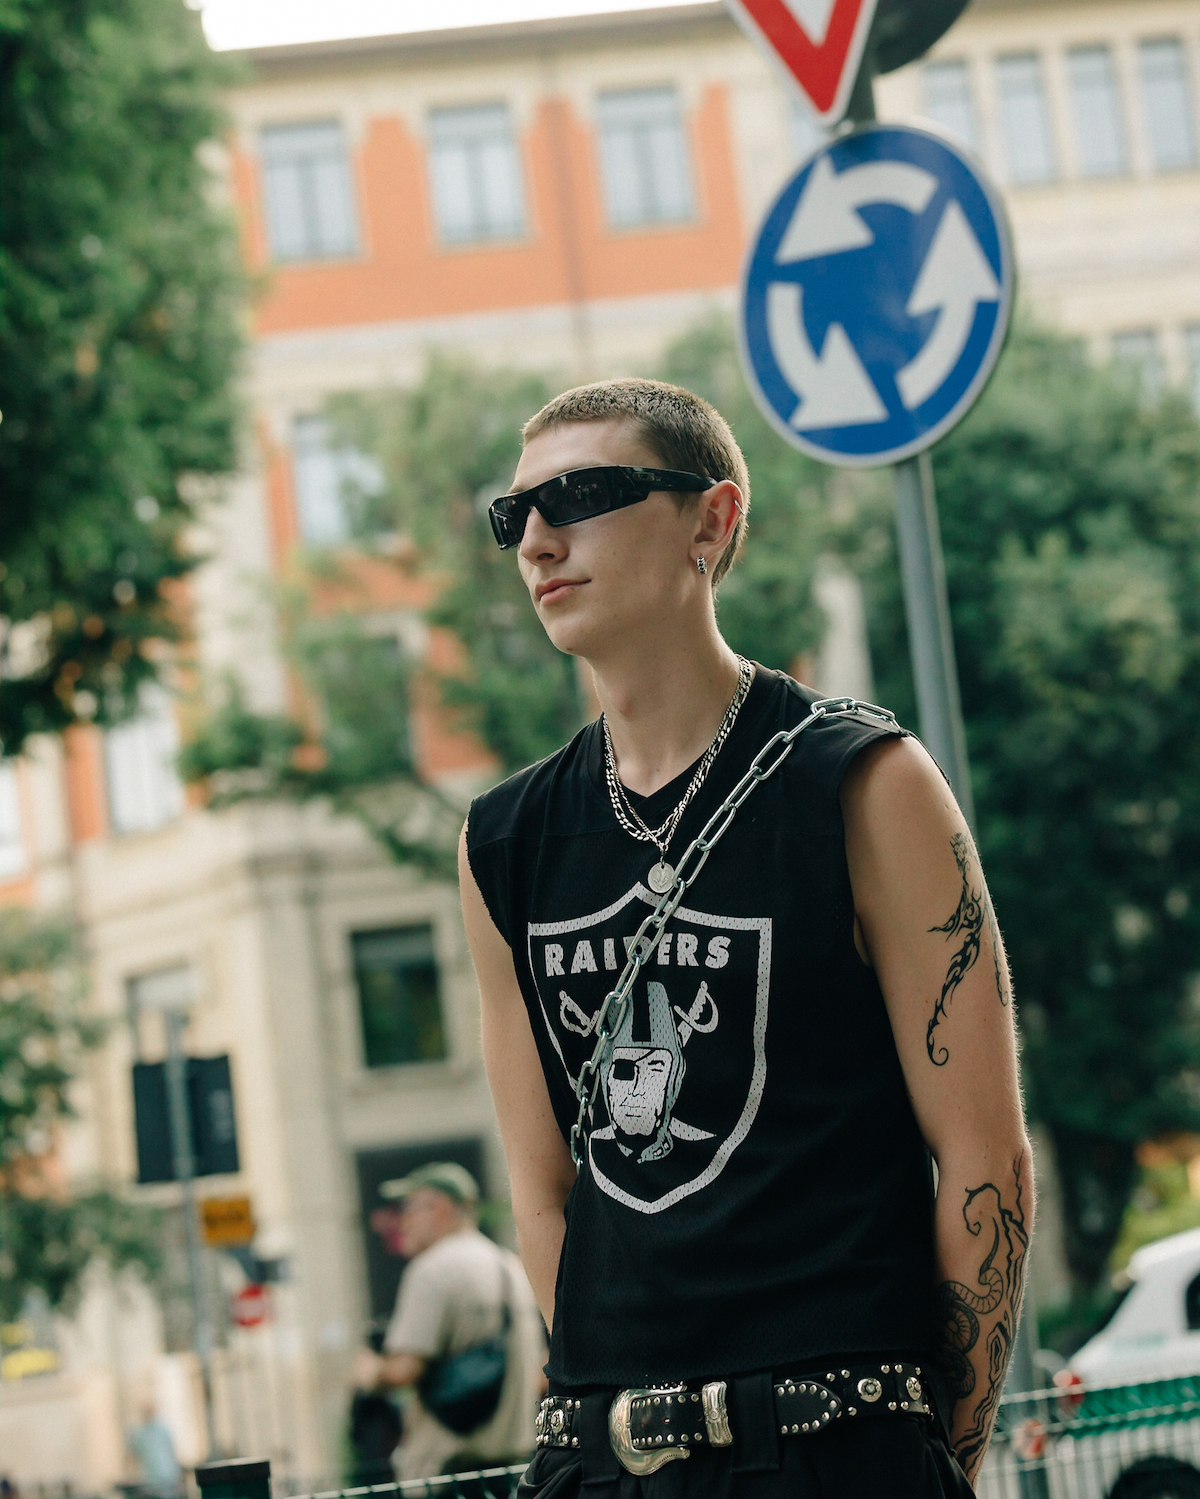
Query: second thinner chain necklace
662,875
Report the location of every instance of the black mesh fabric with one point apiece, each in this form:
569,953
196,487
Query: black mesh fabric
756,1190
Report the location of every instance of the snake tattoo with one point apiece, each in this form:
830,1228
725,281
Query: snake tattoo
959,1308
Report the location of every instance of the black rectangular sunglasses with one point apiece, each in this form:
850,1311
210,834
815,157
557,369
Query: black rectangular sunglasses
584,492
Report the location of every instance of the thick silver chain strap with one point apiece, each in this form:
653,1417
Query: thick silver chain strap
611,1012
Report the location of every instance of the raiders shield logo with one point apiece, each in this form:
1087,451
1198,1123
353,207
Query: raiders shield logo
682,1079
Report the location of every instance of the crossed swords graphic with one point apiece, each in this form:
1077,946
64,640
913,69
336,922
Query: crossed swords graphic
579,1021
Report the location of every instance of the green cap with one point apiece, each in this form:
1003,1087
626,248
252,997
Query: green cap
443,1176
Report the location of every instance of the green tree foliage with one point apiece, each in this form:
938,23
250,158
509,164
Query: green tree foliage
361,760
118,339
447,447
444,448
42,1034
1070,515
46,1242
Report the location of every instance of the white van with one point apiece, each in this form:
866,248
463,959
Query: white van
1155,1331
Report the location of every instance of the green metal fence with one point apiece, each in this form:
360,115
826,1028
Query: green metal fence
1139,1441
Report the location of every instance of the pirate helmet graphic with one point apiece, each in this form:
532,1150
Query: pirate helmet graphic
641,1078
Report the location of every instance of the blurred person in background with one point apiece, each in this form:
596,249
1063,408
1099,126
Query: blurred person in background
465,1337
150,1443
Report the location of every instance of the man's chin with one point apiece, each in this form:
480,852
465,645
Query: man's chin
574,637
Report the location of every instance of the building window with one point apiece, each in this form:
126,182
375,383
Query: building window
1166,94
12,845
644,158
1023,118
478,193
399,996
331,483
1191,351
144,791
1099,132
310,197
948,101
1137,351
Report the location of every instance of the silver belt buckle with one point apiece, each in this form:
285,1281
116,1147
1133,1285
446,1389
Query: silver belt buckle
646,1455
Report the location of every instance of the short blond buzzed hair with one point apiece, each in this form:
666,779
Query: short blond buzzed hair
679,427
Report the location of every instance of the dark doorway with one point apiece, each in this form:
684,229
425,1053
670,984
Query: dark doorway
377,1166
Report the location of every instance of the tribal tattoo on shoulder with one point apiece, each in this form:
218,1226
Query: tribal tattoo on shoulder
966,922
959,1308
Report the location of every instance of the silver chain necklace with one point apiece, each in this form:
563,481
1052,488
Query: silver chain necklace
608,1019
662,876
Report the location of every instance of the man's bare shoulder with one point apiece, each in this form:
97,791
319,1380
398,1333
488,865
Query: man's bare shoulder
895,785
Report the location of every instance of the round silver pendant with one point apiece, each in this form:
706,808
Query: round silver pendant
661,877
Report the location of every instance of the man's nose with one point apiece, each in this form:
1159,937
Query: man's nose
542,543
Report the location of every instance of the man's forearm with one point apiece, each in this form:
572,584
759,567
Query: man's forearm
984,1221
385,1371
540,1233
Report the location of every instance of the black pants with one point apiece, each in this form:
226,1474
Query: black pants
898,1458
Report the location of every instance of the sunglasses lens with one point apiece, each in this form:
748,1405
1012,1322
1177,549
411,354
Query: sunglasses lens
579,495
508,515
564,500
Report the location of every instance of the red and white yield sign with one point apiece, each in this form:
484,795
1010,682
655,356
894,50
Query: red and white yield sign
819,42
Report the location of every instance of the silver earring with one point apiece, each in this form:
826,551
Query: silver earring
701,566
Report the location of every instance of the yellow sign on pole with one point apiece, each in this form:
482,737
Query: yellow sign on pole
228,1221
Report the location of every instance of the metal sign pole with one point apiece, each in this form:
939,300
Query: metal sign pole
185,1172
930,638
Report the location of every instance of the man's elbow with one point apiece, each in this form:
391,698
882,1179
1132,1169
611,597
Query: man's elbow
1001,1152
541,1194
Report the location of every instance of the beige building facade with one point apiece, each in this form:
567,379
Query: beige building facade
567,196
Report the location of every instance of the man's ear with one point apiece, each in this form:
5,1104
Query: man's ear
719,510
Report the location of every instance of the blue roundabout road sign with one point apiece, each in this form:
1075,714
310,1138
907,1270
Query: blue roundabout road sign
876,297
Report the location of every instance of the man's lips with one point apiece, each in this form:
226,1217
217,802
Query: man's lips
556,588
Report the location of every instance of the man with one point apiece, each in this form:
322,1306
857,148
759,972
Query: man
159,1473
457,1291
754,1228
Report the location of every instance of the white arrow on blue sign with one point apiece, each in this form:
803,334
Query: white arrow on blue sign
876,297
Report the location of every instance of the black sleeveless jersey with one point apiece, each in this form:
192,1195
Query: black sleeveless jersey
756,1191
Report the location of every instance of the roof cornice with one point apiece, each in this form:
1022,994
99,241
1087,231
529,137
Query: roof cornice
464,43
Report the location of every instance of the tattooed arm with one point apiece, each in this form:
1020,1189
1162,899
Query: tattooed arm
924,921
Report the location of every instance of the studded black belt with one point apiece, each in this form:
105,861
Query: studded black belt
652,1426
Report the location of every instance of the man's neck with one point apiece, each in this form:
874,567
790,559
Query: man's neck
664,705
